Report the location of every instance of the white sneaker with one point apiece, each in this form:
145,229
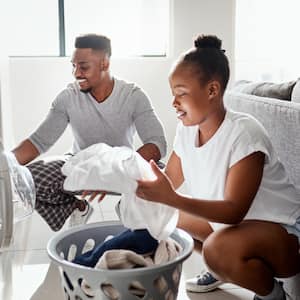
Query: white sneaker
79,217
202,283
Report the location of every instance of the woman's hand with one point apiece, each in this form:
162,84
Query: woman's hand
160,190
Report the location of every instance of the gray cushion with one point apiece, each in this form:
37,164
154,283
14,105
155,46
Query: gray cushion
280,91
282,121
296,92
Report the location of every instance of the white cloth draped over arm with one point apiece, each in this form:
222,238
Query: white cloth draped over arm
116,169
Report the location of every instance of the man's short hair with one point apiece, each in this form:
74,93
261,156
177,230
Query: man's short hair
94,41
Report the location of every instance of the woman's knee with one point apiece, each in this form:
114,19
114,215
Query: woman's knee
219,254
214,251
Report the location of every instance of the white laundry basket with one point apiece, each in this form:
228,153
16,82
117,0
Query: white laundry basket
158,282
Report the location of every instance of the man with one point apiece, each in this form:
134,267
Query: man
99,108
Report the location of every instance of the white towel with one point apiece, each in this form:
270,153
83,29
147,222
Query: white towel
101,167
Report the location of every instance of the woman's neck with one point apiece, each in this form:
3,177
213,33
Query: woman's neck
210,126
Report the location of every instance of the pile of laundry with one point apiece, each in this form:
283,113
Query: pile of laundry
146,242
166,251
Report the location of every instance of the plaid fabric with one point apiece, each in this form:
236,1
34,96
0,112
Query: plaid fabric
53,203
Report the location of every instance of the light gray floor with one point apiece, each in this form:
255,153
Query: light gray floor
27,274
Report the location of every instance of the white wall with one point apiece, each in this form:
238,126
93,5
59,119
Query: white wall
6,131
34,82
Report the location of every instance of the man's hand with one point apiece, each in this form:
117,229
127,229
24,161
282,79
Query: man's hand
149,151
93,194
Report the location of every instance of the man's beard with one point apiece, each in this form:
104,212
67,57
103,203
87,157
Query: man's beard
86,91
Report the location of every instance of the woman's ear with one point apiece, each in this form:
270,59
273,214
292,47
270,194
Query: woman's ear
214,89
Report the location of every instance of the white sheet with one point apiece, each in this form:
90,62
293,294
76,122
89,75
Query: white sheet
101,167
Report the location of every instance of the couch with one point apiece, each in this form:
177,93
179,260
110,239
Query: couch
281,118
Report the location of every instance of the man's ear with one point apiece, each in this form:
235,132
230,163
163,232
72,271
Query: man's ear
214,89
104,64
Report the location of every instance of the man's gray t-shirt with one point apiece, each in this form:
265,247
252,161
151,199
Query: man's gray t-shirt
114,121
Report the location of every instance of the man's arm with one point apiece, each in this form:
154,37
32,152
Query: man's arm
149,128
149,151
46,134
26,152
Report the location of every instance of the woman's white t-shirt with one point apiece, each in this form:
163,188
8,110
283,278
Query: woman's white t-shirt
205,167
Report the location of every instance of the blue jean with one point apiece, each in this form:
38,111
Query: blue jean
294,229
140,241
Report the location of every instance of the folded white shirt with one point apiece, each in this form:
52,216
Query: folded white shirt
116,169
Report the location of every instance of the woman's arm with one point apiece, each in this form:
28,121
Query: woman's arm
174,170
242,183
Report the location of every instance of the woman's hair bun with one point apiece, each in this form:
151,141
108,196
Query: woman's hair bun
208,41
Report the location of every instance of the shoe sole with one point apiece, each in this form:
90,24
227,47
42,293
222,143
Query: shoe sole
88,215
84,219
202,289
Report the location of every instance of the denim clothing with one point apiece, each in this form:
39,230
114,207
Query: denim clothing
139,241
294,229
